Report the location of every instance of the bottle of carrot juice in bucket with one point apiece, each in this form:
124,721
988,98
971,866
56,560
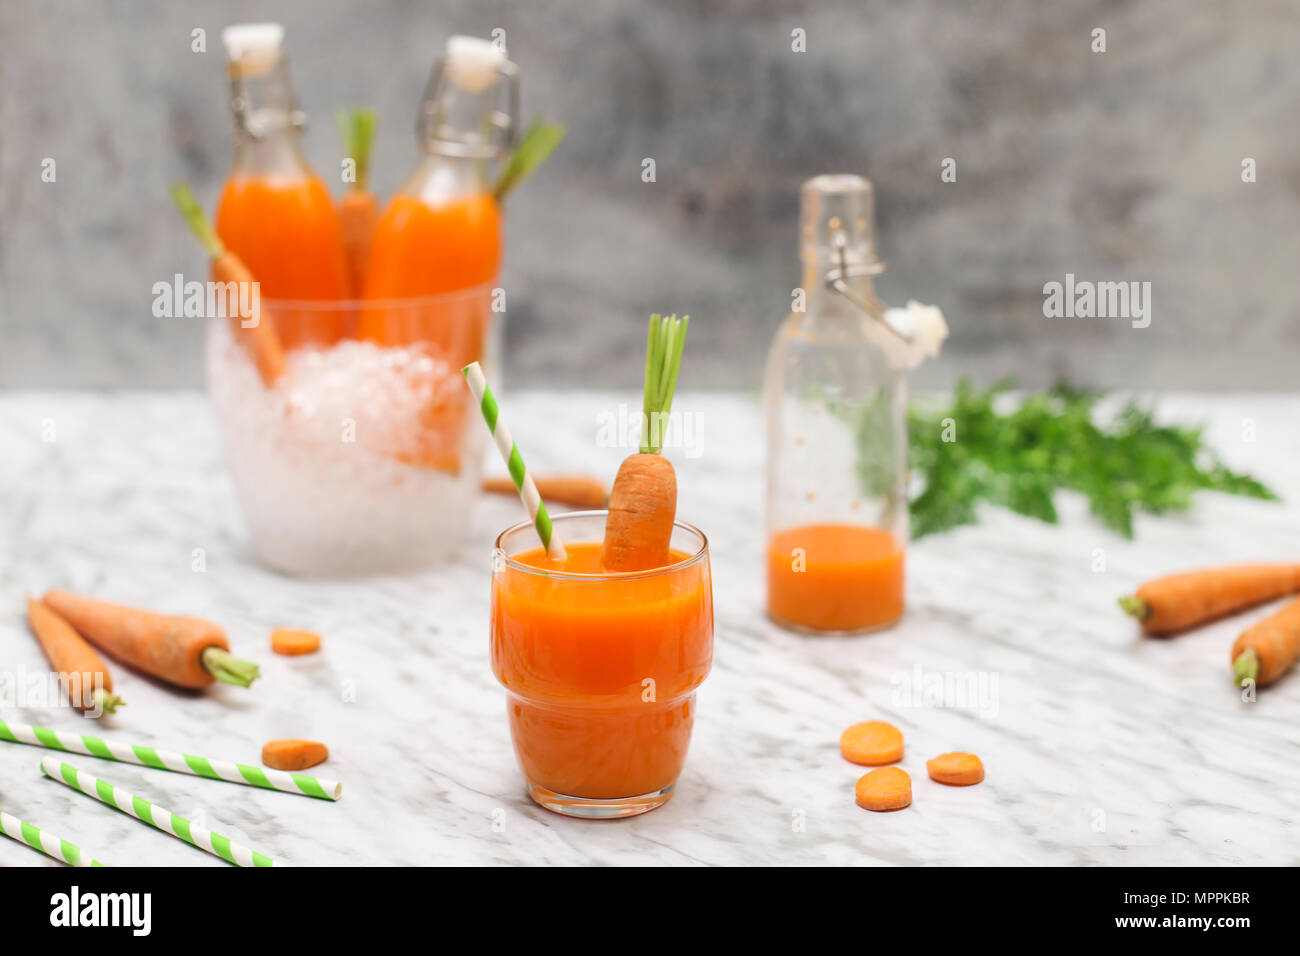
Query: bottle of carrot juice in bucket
275,213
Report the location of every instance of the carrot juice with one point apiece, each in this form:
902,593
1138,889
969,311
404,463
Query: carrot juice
834,577
424,251
287,232
601,669
275,213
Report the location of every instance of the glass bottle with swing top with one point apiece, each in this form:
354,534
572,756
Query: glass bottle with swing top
835,399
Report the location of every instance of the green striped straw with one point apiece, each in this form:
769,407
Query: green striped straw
152,814
514,461
247,774
46,842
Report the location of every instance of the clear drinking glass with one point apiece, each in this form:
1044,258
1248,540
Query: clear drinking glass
362,458
600,669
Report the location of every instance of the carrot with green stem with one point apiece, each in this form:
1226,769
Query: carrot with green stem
185,651
256,332
643,501
1177,602
359,208
82,672
1267,648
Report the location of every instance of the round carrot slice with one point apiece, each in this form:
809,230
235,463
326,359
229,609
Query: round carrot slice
956,769
287,641
888,788
872,742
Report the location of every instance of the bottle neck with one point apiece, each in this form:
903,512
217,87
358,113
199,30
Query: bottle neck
440,179
267,124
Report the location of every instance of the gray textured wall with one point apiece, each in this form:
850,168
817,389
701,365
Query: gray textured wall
1122,165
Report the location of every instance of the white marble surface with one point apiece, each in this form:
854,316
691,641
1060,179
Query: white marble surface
1100,747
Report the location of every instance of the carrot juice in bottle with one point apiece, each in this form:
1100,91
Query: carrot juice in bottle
436,250
836,407
275,213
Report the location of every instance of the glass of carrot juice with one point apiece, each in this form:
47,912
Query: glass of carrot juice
600,668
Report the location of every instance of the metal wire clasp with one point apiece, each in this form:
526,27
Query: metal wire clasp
501,121
837,281
246,119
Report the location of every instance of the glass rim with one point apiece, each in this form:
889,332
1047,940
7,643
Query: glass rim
353,305
686,562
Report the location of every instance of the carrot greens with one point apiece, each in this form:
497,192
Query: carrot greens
968,451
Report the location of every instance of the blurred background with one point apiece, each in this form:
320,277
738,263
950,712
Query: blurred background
1123,165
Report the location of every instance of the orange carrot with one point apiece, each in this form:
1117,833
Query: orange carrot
293,754
578,491
643,503
872,742
1267,648
186,651
81,671
1177,602
292,643
956,769
886,788
642,509
359,209
255,332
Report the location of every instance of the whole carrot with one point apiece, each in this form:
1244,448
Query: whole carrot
256,332
1178,601
82,672
358,209
578,491
643,502
185,651
1267,648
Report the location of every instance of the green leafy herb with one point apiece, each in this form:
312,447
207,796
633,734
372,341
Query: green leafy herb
535,147
969,452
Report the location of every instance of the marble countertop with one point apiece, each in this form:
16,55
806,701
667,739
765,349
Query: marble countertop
1100,747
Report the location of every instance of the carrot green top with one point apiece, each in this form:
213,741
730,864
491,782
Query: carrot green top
358,129
536,145
662,359
193,215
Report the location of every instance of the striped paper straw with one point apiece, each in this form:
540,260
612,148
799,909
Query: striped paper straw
514,461
170,760
152,814
46,842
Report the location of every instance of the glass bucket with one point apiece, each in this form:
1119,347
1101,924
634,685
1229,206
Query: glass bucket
362,458
600,669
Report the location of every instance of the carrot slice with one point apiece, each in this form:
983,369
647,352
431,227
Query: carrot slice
287,641
872,742
294,754
888,788
956,769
